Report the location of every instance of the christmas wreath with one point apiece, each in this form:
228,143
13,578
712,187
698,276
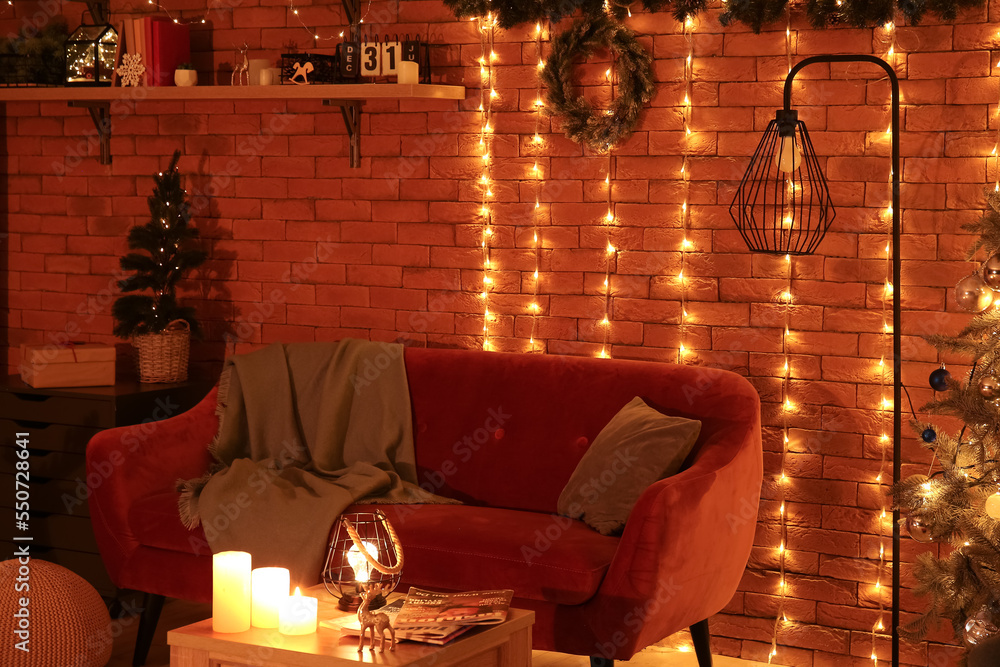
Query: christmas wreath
634,69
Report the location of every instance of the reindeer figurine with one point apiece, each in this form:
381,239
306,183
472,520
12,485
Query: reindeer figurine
378,622
241,73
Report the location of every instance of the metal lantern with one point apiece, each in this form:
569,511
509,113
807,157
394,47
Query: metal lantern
783,203
363,549
90,55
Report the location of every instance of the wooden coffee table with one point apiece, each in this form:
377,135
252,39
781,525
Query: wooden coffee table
505,645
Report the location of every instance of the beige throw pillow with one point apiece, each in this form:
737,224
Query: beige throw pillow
638,446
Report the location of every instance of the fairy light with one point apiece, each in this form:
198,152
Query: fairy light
176,18
996,150
686,244
609,220
538,176
487,81
785,299
313,34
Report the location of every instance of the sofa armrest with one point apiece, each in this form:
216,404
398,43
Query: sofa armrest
686,543
132,462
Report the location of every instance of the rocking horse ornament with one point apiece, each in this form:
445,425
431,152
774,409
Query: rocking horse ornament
301,75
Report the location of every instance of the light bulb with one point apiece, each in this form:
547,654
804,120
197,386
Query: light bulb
362,568
789,156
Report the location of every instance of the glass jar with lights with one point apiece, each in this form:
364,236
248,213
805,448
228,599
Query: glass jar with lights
90,55
363,549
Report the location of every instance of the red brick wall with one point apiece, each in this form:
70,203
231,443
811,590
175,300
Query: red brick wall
304,248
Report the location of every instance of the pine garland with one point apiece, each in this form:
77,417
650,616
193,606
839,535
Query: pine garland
634,68
752,13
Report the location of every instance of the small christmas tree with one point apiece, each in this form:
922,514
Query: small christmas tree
167,239
960,503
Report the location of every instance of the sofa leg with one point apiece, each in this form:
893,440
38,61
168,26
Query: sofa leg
702,643
601,661
151,608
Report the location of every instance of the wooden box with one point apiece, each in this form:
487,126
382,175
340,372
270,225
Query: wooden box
72,365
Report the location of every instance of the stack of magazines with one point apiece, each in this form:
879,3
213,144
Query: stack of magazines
435,618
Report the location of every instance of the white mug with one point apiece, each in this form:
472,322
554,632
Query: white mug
408,72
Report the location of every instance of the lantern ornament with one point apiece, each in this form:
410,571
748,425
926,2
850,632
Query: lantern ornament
783,203
363,549
90,55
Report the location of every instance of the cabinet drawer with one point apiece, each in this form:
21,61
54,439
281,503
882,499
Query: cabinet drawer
57,409
58,532
47,464
87,565
49,437
52,496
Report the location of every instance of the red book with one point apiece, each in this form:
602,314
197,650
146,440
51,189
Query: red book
150,57
171,47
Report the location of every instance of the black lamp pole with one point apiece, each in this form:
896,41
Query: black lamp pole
897,380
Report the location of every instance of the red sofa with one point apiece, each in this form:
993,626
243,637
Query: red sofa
503,433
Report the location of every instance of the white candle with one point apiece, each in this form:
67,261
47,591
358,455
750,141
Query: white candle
298,615
270,586
231,591
408,72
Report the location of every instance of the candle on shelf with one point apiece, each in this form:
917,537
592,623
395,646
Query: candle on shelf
270,587
231,591
298,615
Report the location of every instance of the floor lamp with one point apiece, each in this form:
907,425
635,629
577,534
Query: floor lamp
783,207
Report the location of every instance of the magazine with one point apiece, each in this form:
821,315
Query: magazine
349,626
468,608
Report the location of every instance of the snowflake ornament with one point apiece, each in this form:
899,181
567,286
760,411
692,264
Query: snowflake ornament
131,69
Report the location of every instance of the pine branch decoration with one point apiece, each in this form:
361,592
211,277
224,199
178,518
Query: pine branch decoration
953,503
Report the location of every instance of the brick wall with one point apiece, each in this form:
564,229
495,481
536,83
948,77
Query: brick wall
304,248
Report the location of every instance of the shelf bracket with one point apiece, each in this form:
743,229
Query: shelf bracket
99,9
351,111
352,10
100,113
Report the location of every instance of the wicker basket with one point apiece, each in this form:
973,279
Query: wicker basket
163,357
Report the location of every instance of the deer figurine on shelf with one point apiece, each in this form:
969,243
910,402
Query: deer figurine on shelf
378,622
241,73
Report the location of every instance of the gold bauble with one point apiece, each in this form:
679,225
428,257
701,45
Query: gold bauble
973,294
991,271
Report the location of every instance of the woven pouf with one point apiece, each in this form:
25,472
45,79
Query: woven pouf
67,622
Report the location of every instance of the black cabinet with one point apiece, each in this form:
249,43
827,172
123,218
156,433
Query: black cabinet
59,423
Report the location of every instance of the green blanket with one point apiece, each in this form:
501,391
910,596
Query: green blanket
305,430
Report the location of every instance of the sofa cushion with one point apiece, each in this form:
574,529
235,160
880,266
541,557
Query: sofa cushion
637,447
461,547
457,547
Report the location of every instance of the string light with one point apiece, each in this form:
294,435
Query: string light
609,220
487,82
686,184
785,299
787,406
539,180
884,373
996,150
176,18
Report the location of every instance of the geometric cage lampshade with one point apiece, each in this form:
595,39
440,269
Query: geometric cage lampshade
782,205
364,549
90,55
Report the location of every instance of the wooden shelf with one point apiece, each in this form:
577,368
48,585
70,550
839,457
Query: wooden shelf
349,97
348,91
